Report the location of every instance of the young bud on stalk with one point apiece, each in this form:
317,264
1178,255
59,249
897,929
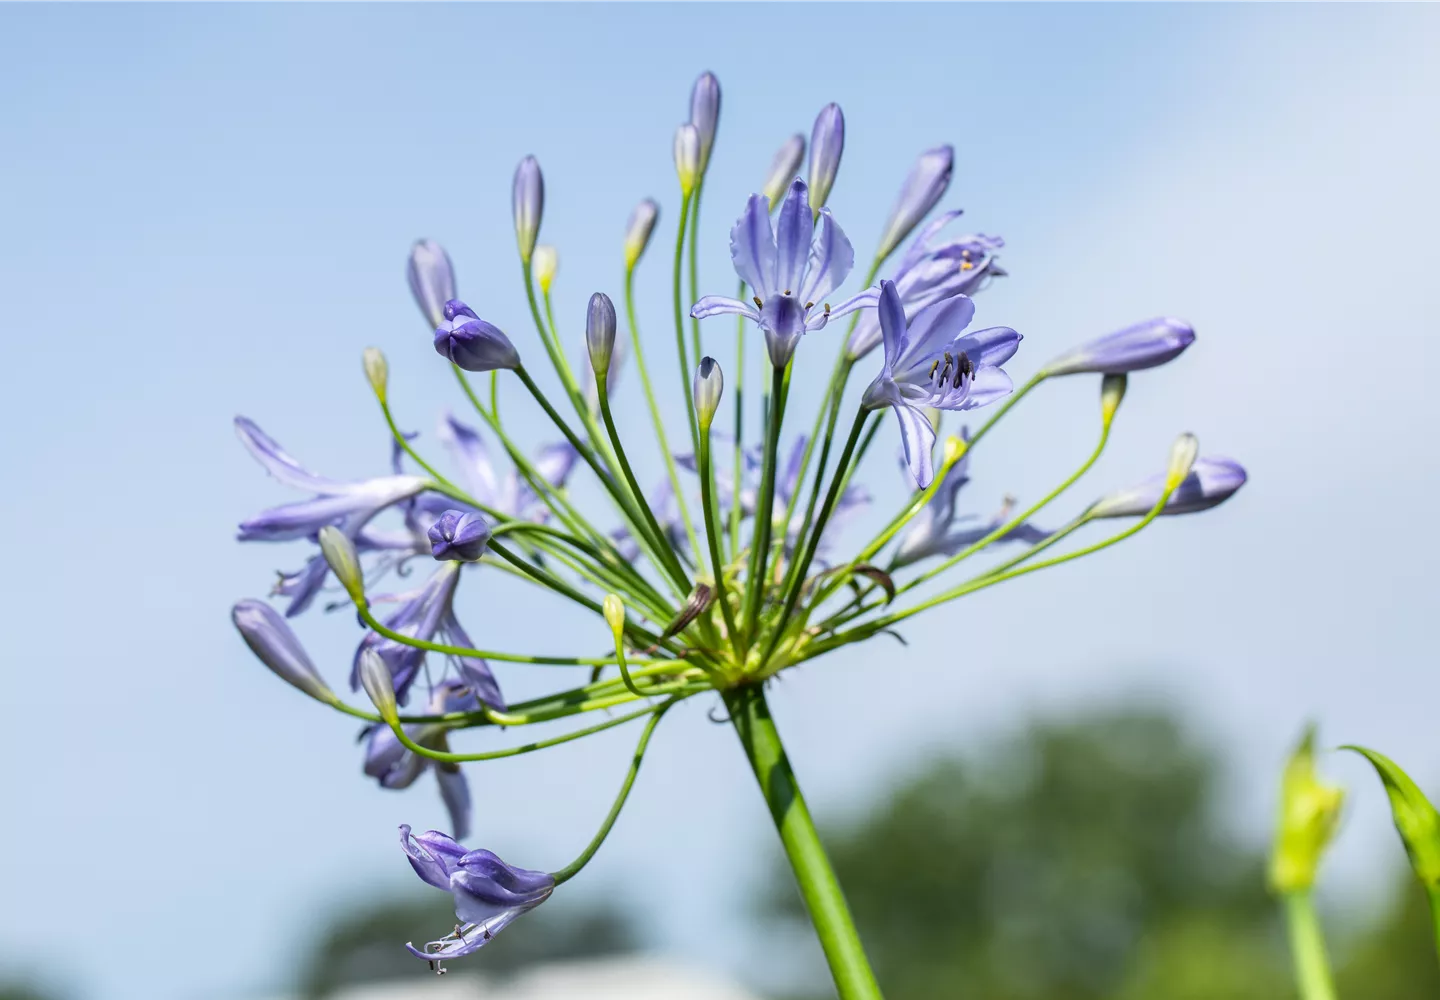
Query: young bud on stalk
784,168
638,230
1112,391
709,385
827,142
687,158
377,370
543,265
339,553
1309,815
600,334
528,201
375,679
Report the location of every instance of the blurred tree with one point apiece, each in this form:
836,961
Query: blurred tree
1080,860
365,945
16,989
1396,960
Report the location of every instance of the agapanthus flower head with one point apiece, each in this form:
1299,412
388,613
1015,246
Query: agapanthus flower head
687,157
924,187
932,270
471,343
1212,480
395,766
1143,345
459,535
638,230
527,197
432,279
705,113
277,646
791,267
827,143
784,168
489,894
932,362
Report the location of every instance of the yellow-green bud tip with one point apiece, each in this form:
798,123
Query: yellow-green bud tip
1182,456
1309,815
1112,391
339,553
687,158
615,614
954,448
543,264
375,679
377,370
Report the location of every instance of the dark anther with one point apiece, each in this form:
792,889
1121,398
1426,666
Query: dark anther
787,291
809,306
963,370
945,372
758,304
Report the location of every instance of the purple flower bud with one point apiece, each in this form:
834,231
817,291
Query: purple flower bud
1144,345
472,343
489,894
638,230
600,334
925,186
432,279
708,387
1211,481
705,113
827,142
272,640
784,168
458,535
528,201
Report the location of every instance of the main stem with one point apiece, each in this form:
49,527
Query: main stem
816,879
1307,942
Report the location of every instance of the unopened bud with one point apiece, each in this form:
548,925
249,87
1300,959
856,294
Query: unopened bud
1309,815
543,265
1112,391
600,334
954,448
638,230
705,113
687,157
376,370
432,279
339,553
784,168
1182,457
924,187
272,640
614,609
457,535
827,142
375,679
528,201
709,385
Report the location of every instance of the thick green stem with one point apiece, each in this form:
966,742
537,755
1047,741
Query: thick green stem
1307,945
813,874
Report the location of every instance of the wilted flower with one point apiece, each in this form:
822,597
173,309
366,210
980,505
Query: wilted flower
271,639
790,267
432,279
489,894
930,272
527,198
459,535
932,362
1144,345
924,187
470,342
827,142
1212,480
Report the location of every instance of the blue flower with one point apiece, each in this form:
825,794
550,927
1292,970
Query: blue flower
932,362
395,767
791,268
1144,345
508,494
930,272
489,894
1212,481
472,343
459,535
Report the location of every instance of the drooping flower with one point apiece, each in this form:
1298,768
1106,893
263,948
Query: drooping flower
929,272
1143,345
395,766
432,279
271,639
791,267
489,894
461,535
1212,480
472,343
939,530
924,187
423,614
933,362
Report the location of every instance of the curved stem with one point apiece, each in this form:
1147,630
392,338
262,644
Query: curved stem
445,757
1307,944
813,874
694,266
573,868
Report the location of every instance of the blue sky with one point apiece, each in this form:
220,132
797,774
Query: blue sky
207,210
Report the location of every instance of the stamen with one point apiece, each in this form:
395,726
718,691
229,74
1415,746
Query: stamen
758,304
809,306
963,370
827,309
934,366
965,265
787,291
945,372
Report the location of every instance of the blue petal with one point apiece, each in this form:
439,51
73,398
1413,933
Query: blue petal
718,305
433,855
936,326
555,462
468,449
794,228
993,345
455,793
918,438
279,464
831,260
892,323
990,383
752,247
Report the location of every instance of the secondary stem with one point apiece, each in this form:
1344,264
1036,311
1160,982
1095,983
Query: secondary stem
816,879
1307,943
